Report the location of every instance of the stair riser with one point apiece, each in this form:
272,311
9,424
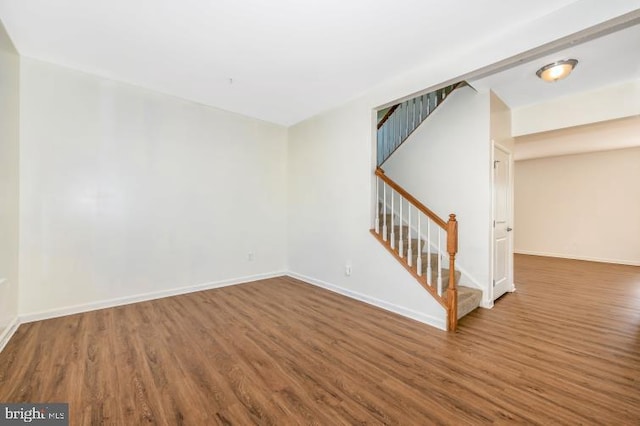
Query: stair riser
425,265
405,246
405,230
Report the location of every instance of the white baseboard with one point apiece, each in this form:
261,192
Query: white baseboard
575,257
418,316
8,332
120,301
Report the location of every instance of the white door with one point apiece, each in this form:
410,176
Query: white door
502,235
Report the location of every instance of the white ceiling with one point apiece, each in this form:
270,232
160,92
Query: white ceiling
289,59
604,61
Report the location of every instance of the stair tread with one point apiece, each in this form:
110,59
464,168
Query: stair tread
462,289
468,300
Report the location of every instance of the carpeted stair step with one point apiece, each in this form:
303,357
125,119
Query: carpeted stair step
468,300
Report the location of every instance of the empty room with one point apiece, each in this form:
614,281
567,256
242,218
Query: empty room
332,213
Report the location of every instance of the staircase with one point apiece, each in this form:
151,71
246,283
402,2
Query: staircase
425,244
468,298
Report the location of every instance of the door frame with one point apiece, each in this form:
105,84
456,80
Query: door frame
495,145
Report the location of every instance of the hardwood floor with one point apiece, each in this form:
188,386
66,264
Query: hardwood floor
563,349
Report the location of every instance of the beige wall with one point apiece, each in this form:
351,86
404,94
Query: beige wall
583,206
500,122
9,125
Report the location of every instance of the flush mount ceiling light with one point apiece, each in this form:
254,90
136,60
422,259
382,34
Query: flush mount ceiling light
557,70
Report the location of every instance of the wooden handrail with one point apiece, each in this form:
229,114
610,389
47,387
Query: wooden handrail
411,199
387,115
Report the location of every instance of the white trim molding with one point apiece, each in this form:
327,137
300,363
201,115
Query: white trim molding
8,332
576,257
120,301
418,316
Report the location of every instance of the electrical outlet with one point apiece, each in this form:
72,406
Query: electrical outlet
251,256
347,270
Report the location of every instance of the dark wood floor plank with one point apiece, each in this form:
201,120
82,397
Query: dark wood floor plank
563,349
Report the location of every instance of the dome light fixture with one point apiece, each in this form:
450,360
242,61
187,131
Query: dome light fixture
557,70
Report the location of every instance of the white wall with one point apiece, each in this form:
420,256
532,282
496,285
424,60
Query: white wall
584,206
607,103
329,183
445,163
127,192
9,151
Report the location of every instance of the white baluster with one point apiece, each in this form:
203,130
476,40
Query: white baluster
429,271
378,145
408,103
406,129
400,242
382,141
419,250
387,138
407,113
384,211
409,252
396,126
393,229
390,138
398,132
413,113
377,205
439,264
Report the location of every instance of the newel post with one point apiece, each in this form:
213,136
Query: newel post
452,290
